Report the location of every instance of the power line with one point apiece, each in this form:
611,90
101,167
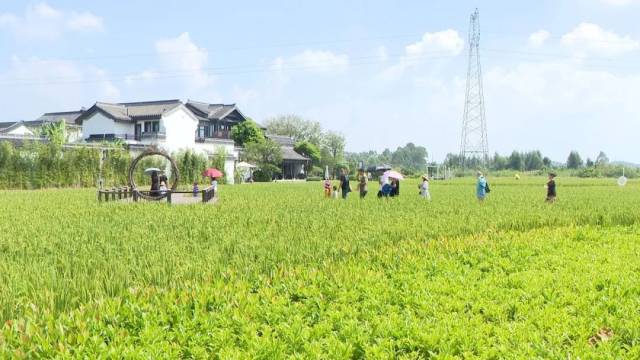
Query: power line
352,62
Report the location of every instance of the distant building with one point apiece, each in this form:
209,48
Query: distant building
294,165
170,125
15,129
31,128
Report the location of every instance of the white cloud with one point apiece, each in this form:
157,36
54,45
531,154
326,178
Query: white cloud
588,38
447,43
43,22
180,56
556,107
315,61
85,21
538,38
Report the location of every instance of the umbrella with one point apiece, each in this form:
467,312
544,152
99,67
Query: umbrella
245,165
212,173
326,172
151,170
393,174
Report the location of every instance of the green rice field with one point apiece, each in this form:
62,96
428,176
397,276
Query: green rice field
275,271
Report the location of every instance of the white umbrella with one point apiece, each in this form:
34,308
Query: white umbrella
326,172
245,165
148,171
392,174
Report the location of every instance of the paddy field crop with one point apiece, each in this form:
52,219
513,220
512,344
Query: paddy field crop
275,271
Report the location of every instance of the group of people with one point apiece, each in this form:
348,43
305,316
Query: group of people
390,187
483,189
158,184
214,184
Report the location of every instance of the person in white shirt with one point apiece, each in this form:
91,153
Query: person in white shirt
424,188
214,183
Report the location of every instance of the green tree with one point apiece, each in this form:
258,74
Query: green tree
410,158
333,145
499,162
55,132
295,127
546,161
574,161
533,160
515,161
309,150
602,160
267,155
246,132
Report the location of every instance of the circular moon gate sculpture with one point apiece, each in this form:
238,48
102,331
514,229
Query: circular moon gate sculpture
134,164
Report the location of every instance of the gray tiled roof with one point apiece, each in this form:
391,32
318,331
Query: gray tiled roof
68,116
289,154
282,140
135,110
150,108
211,111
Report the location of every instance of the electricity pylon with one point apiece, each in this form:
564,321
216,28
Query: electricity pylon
474,142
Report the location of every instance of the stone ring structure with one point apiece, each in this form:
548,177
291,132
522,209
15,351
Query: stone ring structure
134,164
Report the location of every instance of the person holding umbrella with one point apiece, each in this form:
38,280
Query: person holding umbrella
214,174
155,180
395,181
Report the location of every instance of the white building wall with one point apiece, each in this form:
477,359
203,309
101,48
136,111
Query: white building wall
180,129
99,124
21,130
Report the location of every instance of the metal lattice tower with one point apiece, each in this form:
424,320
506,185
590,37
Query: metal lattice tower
474,125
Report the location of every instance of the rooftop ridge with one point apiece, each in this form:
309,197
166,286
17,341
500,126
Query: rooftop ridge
152,102
65,112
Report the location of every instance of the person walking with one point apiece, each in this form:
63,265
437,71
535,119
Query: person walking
424,188
481,187
345,188
363,183
551,188
327,188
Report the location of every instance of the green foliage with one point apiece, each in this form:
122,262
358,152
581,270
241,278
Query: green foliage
276,271
309,150
297,128
191,165
36,165
574,161
246,132
55,131
267,155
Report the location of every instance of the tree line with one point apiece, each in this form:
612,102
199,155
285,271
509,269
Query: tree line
37,165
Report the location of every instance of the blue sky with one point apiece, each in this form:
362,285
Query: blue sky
558,75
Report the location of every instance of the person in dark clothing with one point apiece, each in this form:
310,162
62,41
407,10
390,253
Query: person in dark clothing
395,187
344,184
155,183
551,188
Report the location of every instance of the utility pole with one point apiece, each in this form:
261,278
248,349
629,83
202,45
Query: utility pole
474,142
